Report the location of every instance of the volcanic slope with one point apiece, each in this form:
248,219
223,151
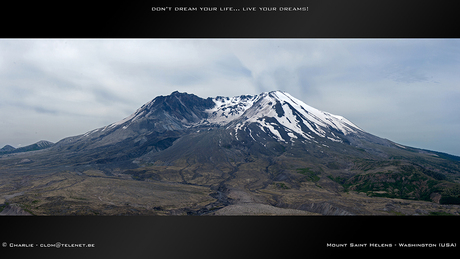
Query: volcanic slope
271,148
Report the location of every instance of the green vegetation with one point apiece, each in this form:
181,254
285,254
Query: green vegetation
27,208
405,180
404,185
338,179
397,213
281,185
450,195
142,175
369,164
440,213
449,200
3,206
311,175
413,169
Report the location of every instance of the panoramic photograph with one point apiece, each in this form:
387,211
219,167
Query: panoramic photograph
229,127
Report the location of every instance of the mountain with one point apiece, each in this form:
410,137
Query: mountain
269,152
42,144
7,148
275,117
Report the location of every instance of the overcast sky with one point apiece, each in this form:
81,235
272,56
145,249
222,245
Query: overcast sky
405,90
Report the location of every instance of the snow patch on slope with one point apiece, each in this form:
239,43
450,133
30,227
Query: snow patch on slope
323,119
228,109
291,113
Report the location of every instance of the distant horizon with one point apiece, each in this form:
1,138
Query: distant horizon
404,90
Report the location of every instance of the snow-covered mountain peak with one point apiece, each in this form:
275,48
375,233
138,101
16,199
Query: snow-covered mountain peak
328,119
277,113
292,116
227,109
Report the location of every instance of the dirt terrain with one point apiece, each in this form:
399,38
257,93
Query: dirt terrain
183,189
245,204
94,193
